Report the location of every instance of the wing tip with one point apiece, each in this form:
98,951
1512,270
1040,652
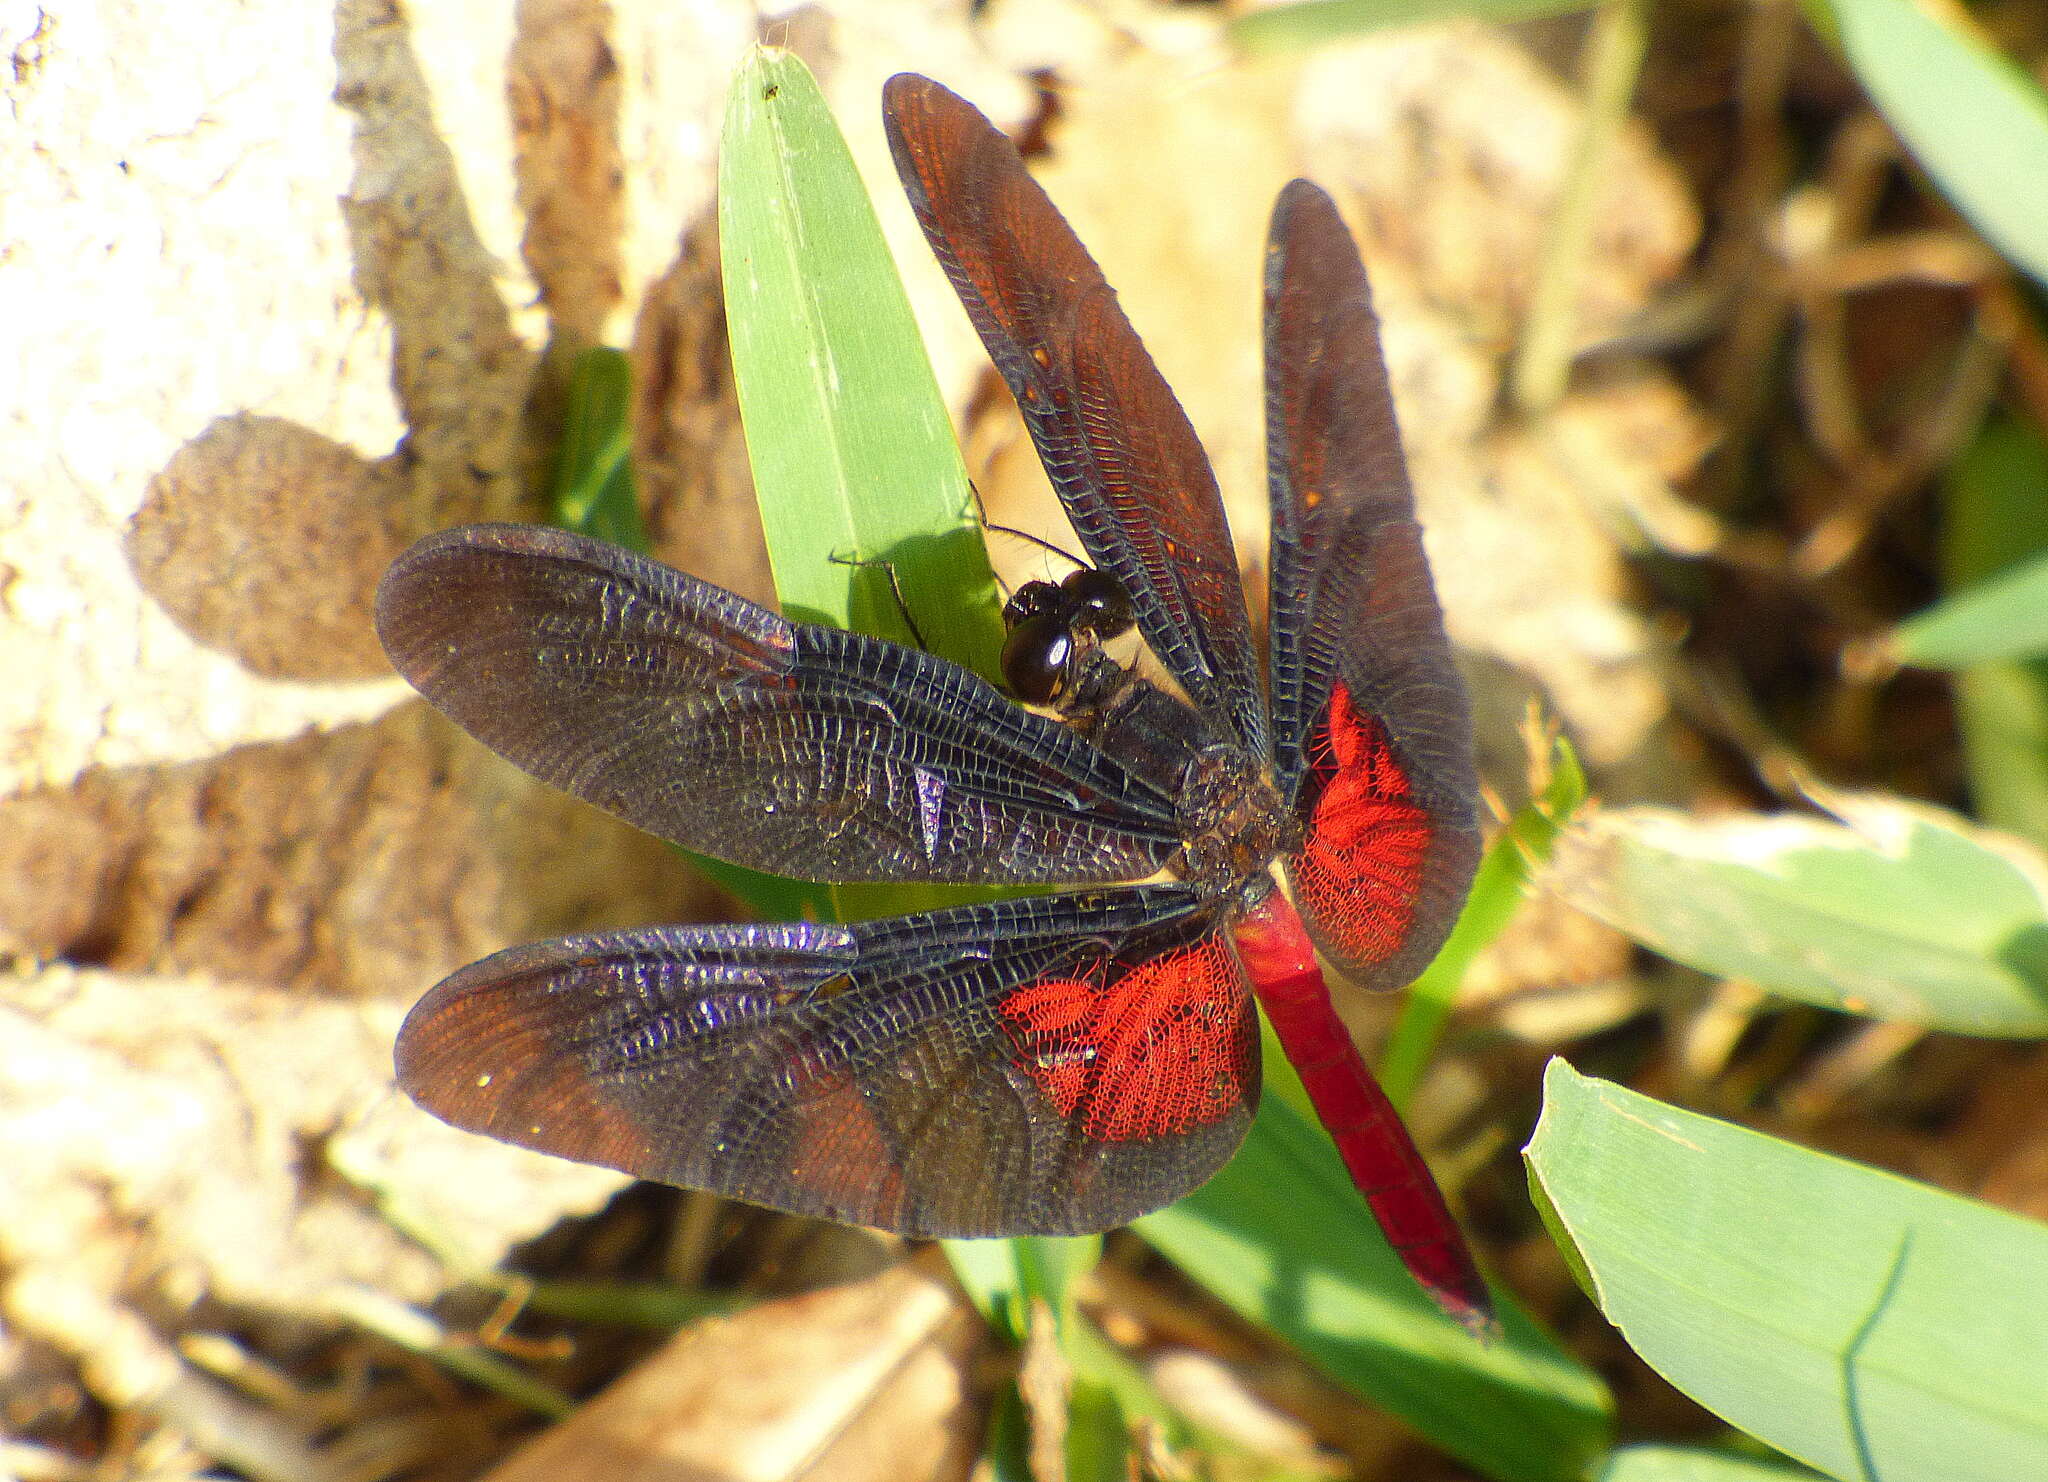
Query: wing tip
428,559
907,87
479,1053
1302,194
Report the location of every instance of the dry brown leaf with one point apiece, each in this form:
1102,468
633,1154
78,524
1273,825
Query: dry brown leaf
866,1381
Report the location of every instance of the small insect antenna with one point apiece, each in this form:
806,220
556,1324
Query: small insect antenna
981,514
888,569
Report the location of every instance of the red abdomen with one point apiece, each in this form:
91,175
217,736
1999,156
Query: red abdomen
1381,1157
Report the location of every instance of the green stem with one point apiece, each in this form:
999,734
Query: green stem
1614,61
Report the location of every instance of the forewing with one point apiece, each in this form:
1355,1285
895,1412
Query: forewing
1117,446
1054,1065
698,716
1372,730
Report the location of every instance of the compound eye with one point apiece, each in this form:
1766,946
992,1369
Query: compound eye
1036,656
1101,606
1033,599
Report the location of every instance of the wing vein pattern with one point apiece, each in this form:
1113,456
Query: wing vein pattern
1114,440
1372,729
891,1073
714,723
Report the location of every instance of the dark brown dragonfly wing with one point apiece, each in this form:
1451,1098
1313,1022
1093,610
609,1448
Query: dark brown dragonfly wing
1052,1065
698,716
1372,731
1117,446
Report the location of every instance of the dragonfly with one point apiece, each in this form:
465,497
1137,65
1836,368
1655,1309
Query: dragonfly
1050,1064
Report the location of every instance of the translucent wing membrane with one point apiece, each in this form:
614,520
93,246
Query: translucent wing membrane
1054,1065
1372,730
1116,444
698,716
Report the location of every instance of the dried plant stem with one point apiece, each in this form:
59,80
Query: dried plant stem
1614,61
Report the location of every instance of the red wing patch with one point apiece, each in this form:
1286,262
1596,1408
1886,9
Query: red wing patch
1359,869
1140,1050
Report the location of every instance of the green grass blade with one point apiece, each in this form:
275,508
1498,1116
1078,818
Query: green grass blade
1004,1277
1862,1323
1976,123
1689,1464
1279,28
1282,1237
1993,516
1496,896
594,493
1900,912
2002,617
418,1333
658,1306
852,447
851,444
1010,1280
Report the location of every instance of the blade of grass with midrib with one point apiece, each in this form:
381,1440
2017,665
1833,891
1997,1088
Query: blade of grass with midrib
855,464
1863,1323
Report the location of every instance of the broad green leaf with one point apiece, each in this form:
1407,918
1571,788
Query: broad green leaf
1690,1464
2002,617
1496,895
1859,1322
1283,1237
1900,912
852,447
1975,122
1993,516
1316,22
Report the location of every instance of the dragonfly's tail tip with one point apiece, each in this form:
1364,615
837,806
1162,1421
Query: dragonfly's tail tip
1474,1315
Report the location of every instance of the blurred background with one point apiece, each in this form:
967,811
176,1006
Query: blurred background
1717,336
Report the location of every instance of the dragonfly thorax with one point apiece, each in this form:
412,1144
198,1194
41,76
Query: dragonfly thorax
1233,821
